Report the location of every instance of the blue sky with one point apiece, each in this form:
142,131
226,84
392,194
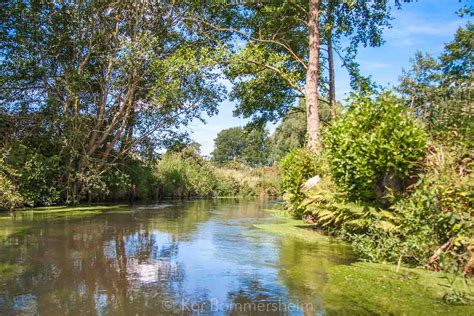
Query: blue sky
425,25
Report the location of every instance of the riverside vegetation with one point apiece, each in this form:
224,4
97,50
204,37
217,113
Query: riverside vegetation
96,97
396,173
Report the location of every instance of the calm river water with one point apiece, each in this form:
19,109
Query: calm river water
197,257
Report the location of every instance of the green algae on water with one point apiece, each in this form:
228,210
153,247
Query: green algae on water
378,288
8,271
6,231
67,211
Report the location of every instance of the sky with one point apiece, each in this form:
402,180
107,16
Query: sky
424,25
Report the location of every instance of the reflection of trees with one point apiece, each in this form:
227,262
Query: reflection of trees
252,299
119,264
122,263
181,220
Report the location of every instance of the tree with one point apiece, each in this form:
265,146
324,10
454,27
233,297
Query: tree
279,60
105,79
440,90
290,134
238,144
359,24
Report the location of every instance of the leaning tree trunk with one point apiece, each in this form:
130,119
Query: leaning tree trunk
312,111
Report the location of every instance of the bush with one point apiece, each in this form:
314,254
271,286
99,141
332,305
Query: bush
246,181
295,168
434,225
37,175
374,148
10,198
185,174
437,222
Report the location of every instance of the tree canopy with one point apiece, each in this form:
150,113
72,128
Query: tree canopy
240,144
88,82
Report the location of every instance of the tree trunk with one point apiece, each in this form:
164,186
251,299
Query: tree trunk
312,112
332,85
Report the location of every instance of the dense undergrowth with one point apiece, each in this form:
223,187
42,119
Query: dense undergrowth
175,174
395,192
393,174
187,174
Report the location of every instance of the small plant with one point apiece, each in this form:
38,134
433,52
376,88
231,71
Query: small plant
295,168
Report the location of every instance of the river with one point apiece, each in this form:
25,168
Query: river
194,257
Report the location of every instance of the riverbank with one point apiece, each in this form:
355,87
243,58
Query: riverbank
373,287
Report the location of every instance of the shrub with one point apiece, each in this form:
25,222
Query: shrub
240,180
10,198
437,223
295,168
434,225
374,148
185,174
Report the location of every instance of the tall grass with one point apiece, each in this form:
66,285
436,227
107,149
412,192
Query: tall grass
186,174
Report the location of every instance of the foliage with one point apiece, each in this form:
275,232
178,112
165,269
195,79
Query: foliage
374,147
438,211
98,82
242,144
37,175
295,168
431,225
10,198
269,72
241,180
289,134
185,174
440,90
331,210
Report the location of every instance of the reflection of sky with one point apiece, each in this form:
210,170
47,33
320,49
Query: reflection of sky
144,260
217,261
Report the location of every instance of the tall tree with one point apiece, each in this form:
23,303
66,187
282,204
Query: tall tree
312,72
440,90
276,52
111,76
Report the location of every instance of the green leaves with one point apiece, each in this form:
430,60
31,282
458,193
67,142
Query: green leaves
374,147
241,144
295,168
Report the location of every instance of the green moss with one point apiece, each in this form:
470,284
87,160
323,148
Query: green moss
8,271
68,211
378,288
6,231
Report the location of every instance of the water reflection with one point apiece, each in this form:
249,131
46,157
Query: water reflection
181,258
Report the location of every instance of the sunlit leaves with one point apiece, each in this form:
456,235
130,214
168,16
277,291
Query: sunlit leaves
375,144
